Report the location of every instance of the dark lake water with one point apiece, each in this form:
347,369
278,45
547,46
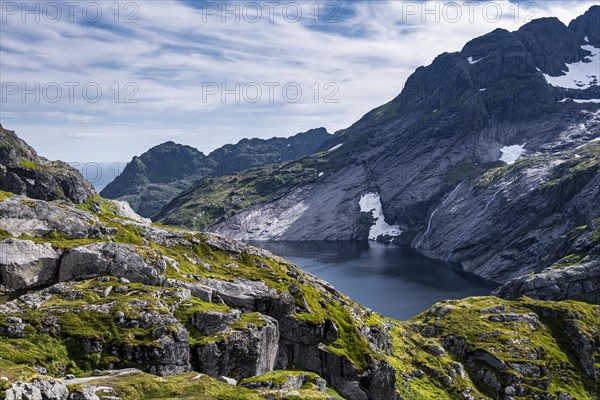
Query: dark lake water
395,281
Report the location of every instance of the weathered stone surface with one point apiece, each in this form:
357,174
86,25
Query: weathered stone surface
25,264
301,345
170,355
22,215
23,391
210,322
203,292
111,259
240,354
87,393
51,389
123,209
252,296
576,282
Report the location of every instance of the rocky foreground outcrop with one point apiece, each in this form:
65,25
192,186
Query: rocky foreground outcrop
23,171
218,319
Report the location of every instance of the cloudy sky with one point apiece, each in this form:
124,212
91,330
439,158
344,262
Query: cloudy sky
105,80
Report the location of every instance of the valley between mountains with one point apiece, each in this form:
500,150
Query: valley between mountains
488,159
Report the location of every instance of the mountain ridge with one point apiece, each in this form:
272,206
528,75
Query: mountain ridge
154,178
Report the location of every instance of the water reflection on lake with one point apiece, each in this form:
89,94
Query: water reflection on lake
396,281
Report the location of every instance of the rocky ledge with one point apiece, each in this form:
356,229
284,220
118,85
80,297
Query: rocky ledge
570,282
23,171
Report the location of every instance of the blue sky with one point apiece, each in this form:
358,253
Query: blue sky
161,66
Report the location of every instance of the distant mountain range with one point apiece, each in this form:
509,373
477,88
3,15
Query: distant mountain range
489,158
153,179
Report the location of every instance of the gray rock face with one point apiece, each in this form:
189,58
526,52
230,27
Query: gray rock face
21,215
253,296
210,322
110,259
524,220
23,391
168,354
51,389
240,354
576,282
24,264
301,345
587,26
292,381
87,393
22,171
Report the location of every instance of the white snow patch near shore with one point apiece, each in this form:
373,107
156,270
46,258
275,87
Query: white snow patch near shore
510,154
580,75
371,203
334,148
581,101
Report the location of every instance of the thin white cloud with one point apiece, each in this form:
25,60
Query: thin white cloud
172,52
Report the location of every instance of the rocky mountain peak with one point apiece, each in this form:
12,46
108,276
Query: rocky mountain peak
23,171
153,179
587,26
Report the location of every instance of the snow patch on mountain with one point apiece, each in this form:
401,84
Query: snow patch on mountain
334,148
371,203
510,154
580,75
581,101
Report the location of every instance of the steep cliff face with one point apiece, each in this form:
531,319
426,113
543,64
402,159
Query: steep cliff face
23,171
153,179
506,97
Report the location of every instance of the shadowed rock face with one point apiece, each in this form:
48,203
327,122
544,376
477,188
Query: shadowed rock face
587,25
436,157
153,179
22,171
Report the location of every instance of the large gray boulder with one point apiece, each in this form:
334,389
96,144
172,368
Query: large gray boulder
25,264
23,391
115,259
86,393
51,389
240,353
22,215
